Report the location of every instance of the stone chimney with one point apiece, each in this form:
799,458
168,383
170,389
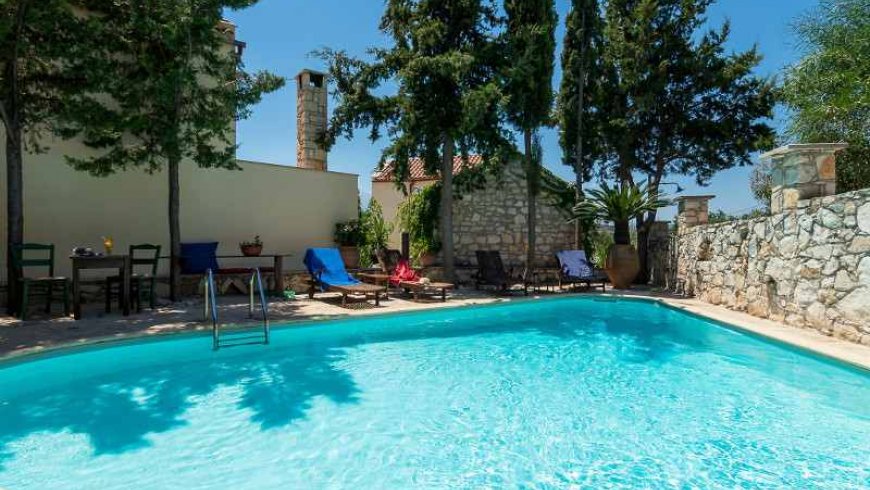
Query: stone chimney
802,172
311,118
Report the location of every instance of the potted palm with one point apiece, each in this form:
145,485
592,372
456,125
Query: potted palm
349,236
620,205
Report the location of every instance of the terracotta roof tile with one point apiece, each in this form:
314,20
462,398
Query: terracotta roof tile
418,171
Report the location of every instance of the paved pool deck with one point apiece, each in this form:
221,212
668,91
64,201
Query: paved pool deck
42,334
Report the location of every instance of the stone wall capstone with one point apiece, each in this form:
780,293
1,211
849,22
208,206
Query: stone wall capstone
494,218
808,266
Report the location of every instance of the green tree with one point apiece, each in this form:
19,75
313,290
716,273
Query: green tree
579,97
443,60
175,85
531,46
827,89
677,102
43,48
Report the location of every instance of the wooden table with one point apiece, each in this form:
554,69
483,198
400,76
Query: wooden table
120,262
376,278
277,267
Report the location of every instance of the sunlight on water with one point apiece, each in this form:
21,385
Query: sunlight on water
567,393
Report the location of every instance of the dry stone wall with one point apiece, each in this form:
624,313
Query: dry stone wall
494,218
808,266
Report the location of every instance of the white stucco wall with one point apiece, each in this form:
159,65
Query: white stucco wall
290,208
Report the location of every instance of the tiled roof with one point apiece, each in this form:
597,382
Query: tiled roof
417,170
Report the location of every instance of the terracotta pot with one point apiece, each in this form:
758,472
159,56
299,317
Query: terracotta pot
622,266
350,256
427,259
251,250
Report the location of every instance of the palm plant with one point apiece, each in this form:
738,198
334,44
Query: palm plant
619,204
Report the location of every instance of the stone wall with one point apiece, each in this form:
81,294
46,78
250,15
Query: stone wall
494,218
808,266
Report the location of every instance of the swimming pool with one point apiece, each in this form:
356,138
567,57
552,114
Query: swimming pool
539,394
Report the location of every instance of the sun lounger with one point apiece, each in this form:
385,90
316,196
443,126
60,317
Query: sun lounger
575,268
491,272
329,274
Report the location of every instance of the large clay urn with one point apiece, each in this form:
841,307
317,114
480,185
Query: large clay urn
622,265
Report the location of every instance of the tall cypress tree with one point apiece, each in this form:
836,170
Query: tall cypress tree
677,103
174,89
531,46
578,97
444,60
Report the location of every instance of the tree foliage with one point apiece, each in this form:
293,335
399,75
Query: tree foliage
171,88
45,46
827,89
619,204
531,45
443,59
579,93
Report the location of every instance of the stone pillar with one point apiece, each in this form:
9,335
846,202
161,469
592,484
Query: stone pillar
311,119
692,211
658,244
802,172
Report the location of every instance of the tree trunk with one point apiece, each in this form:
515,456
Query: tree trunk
446,218
14,211
174,229
621,233
643,225
532,218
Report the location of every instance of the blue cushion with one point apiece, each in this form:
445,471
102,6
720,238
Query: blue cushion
196,258
574,263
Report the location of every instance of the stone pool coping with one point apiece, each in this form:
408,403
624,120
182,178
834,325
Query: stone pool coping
846,352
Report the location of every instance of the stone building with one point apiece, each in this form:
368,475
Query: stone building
490,218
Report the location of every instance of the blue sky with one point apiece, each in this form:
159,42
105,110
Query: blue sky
281,35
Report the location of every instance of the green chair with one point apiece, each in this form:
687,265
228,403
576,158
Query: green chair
26,255
142,285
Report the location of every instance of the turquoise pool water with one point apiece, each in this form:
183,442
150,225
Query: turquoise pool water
565,393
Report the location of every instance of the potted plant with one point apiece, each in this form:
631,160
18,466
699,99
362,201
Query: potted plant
376,233
348,236
418,216
252,248
620,205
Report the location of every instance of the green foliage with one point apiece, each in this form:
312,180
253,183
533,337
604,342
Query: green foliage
171,87
579,92
444,59
531,45
598,246
620,205
375,230
418,216
720,216
349,234
760,182
827,89
676,102
256,242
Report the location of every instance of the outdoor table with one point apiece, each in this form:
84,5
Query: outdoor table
120,262
376,278
277,266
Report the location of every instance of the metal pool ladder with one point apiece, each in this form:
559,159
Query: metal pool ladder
210,310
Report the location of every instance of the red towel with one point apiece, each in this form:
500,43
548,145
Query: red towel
403,273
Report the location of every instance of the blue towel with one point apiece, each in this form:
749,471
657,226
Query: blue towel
326,266
574,263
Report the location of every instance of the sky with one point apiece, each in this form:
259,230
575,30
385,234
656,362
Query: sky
281,34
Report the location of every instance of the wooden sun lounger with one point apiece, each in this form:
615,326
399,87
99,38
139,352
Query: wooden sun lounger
417,287
356,290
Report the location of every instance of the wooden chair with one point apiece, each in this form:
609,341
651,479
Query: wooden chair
492,272
46,283
142,285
